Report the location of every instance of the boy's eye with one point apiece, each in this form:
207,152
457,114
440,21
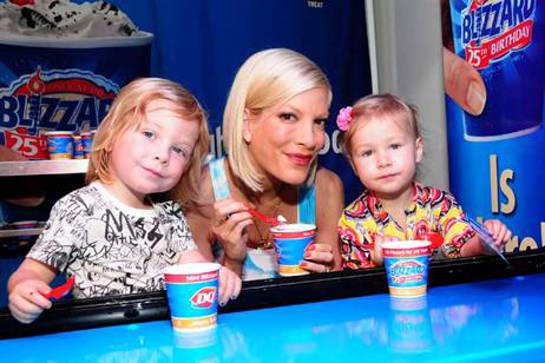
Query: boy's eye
148,134
179,151
288,116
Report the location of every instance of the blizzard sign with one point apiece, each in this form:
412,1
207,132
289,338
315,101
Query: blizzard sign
62,100
492,29
407,271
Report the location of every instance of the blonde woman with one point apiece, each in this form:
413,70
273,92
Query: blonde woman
274,126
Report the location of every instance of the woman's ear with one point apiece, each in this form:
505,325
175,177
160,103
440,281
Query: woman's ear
419,148
246,127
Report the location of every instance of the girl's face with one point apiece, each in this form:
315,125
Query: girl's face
152,157
384,156
284,140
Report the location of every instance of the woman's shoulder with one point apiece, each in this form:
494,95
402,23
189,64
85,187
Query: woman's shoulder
326,179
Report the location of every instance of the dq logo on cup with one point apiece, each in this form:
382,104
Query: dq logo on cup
406,264
290,241
505,41
192,291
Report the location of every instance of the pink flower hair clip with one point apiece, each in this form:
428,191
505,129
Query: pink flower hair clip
344,118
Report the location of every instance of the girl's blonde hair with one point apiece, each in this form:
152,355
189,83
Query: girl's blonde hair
381,106
267,79
129,111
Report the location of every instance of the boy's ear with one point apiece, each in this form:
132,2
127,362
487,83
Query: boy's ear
246,126
419,147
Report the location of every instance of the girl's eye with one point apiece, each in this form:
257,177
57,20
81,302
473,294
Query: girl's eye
395,146
287,116
367,153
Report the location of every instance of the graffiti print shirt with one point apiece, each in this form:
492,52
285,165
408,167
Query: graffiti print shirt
110,247
431,210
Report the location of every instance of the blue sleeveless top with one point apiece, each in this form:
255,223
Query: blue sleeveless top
260,264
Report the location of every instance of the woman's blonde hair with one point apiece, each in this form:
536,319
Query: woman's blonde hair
267,79
380,106
129,110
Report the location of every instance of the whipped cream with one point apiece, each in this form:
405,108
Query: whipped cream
63,19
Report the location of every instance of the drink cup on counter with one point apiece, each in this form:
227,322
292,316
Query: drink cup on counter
87,142
192,292
78,147
59,144
406,264
290,241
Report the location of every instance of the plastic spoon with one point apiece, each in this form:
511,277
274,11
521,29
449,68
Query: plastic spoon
60,291
272,221
486,237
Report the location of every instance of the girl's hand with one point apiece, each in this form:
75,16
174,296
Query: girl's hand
229,286
229,223
26,302
379,240
318,258
499,232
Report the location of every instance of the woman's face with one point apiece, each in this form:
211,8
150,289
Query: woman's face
284,140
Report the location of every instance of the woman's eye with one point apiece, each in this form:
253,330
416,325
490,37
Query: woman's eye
287,116
321,122
147,134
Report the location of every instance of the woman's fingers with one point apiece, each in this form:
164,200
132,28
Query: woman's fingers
463,83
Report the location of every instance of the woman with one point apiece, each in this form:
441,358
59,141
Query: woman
274,126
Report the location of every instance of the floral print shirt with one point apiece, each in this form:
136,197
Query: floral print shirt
431,210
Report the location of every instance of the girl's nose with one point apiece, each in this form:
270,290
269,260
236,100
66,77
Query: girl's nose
161,155
383,159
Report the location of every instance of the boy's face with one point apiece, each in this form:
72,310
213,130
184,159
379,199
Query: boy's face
152,158
384,156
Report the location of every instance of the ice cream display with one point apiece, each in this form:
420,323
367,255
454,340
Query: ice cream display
61,66
63,19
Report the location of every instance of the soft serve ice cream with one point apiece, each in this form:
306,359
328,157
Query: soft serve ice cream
62,64
63,19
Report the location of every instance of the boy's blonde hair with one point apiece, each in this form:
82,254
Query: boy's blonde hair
268,78
129,110
380,106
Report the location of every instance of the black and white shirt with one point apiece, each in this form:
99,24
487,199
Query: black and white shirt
110,247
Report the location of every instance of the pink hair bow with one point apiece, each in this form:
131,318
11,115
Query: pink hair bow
344,118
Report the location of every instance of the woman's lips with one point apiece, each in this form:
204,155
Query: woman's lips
300,159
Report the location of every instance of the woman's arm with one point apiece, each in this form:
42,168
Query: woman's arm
329,205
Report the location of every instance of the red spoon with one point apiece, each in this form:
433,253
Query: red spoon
58,292
272,221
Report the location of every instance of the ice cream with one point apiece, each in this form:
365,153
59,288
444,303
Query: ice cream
63,19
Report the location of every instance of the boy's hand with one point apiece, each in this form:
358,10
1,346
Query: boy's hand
499,232
229,285
26,302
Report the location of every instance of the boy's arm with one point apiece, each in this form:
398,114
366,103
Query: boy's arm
31,269
192,256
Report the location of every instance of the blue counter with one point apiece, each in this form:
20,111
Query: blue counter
492,321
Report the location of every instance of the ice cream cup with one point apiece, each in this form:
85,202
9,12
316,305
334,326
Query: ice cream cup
78,147
87,142
406,264
56,84
59,144
290,242
192,292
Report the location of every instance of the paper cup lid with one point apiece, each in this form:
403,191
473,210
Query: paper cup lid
406,244
192,268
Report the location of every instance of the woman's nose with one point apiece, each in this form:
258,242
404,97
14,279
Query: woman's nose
307,135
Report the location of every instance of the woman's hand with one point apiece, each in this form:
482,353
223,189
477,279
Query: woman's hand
229,286
229,223
26,302
318,258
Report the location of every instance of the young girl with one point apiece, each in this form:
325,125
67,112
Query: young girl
383,144
117,234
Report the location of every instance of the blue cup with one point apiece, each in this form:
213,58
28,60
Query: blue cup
290,242
505,42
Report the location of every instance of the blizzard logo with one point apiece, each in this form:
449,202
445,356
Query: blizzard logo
56,100
406,271
492,29
204,298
